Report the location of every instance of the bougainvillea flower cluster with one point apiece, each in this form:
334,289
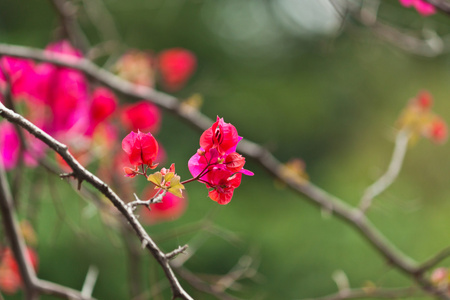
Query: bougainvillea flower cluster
424,8
10,279
217,164
59,101
419,120
63,103
142,149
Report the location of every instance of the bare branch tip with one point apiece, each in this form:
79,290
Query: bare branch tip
176,252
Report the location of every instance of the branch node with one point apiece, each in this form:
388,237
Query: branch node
144,243
80,181
67,175
174,253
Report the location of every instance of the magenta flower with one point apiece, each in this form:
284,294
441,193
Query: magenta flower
422,7
141,148
176,67
9,145
142,115
64,47
64,91
221,136
20,73
103,105
222,183
217,164
171,207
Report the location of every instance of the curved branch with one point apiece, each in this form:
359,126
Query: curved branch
32,285
442,5
379,186
84,175
378,293
433,261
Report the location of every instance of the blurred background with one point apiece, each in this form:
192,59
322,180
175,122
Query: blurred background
295,76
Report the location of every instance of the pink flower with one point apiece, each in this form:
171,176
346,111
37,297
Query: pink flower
200,163
64,47
222,183
20,73
234,162
171,208
9,145
422,7
10,279
138,67
176,67
63,90
142,115
141,148
221,136
424,100
68,99
217,164
103,105
437,131
203,161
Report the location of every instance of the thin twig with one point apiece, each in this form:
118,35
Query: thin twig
16,240
32,285
379,186
176,252
156,199
201,285
430,45
19,170
66,13
372,292
442,5
237,272
89,282
433,261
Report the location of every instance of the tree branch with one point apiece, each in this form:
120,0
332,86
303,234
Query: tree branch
433,261
84,175
379,186
442,5
378,293
16,240
32,285
71,30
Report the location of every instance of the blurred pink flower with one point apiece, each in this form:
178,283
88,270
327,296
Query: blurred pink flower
141,115
10,279
103,105
422,7
9,145
176,66
171,207
20,73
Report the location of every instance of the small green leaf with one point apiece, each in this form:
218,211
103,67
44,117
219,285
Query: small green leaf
169,176
155,178
176,192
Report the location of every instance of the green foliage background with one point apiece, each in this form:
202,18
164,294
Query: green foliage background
330,99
